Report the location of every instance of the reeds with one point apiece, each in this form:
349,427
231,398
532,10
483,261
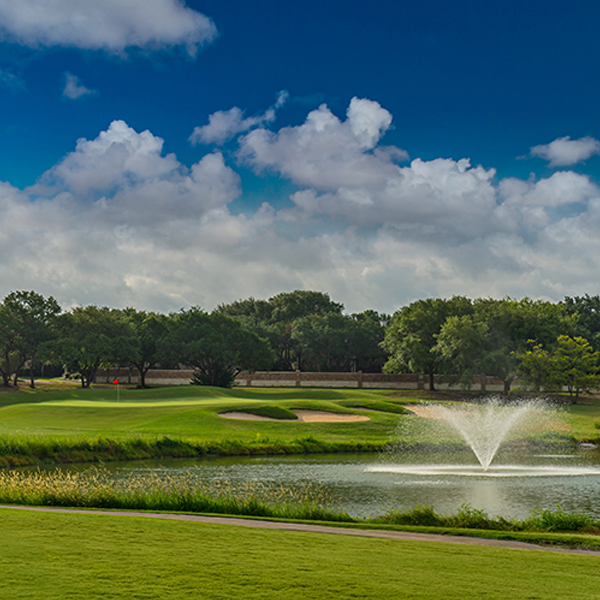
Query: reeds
161,491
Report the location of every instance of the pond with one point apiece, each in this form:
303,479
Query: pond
370,485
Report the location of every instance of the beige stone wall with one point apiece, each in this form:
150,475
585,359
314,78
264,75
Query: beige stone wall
400,381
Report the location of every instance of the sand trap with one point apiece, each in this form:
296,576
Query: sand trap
305,416
320,416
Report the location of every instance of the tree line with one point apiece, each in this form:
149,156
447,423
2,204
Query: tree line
544,345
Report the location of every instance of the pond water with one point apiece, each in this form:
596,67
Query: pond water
370,485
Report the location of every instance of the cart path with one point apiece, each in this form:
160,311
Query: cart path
310,528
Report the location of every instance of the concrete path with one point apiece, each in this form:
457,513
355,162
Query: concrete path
261,524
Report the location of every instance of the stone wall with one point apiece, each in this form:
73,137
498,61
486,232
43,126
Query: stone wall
399,381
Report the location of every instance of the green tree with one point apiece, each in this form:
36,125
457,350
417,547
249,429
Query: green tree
411,337
150,330
273,320
537,368
92,336
26,320
461,344
576,364
215,346
586,311
500,329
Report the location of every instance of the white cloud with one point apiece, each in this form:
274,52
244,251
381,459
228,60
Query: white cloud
225,124
74,88
327,153
118,222
108,25
565,151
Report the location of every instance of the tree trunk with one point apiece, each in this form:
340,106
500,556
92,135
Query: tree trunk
431,379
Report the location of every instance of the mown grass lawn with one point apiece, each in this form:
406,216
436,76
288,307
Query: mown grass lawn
69,556
50,423
187,411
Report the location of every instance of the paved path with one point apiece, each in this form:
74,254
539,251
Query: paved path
261,524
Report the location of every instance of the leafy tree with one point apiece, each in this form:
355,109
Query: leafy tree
216,346
576,364
91,336
11,359
288,306
26,325
500,329
273,320
322,342
150,331
411,337
461,344
586,311
365,341
537,367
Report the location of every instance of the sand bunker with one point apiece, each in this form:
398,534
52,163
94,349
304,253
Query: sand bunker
305,416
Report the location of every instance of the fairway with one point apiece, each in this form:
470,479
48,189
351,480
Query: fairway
190,411
59,556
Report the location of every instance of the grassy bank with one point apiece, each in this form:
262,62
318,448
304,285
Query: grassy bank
54,556
20,451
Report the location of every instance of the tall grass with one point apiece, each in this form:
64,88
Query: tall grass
164,491
470,518
96,488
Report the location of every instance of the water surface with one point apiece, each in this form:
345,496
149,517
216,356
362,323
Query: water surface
369,485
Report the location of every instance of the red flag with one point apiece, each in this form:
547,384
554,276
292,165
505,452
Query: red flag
116,381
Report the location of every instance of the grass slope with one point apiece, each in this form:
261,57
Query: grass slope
51,557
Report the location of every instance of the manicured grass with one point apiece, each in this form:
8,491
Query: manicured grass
270,411
71,424
56,556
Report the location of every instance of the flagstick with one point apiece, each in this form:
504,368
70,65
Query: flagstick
117,391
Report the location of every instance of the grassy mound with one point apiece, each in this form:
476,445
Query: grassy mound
270,411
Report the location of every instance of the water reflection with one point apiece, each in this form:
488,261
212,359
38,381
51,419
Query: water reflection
368,485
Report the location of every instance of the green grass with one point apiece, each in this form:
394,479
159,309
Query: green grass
70,424
270,411
74,556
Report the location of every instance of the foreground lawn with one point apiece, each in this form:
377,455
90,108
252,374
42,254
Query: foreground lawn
52,556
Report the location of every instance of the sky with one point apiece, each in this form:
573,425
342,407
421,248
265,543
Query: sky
163,154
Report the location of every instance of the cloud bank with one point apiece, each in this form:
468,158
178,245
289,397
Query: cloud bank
108,25
119,222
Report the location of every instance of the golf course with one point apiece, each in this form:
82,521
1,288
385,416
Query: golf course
82,555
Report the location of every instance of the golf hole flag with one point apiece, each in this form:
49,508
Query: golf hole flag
116,382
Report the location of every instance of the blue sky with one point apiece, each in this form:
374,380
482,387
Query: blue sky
161,154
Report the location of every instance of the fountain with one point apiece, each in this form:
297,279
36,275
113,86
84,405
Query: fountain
485,427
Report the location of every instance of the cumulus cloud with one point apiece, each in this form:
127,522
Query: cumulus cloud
565,151
119,222
107,25
325,152
74,88
225,124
